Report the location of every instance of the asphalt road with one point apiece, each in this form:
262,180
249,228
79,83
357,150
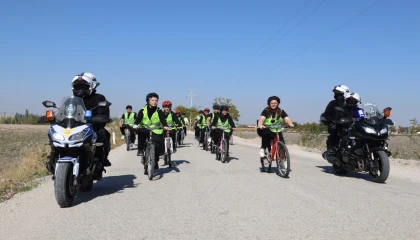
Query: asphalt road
202,198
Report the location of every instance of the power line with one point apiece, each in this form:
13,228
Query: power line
326,36
297,25
277,32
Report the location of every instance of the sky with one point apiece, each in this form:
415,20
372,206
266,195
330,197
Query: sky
168,47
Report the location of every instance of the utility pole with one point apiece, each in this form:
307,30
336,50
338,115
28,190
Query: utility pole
191,95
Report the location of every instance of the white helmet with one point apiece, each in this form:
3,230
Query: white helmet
353,100
82,85
91,76
341,89
340,92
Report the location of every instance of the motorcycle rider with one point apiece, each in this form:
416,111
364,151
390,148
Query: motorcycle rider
128,119
351,105
172,121
83,86
330,114
153,117
96,84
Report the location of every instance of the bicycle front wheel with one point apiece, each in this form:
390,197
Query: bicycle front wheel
151,161
224,151
283,160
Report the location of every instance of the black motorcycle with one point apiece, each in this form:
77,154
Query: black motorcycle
363,143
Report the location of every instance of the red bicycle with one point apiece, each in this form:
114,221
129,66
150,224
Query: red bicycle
277,152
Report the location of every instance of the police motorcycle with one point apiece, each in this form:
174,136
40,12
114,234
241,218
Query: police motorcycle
363,143
73,144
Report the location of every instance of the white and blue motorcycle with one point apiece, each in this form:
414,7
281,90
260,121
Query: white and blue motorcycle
73,144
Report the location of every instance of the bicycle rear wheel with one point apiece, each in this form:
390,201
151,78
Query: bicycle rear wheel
151,161
231,140
283,160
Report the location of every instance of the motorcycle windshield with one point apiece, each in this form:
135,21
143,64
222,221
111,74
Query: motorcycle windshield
372,114
71,108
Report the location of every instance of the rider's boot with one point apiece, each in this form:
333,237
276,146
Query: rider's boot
140,152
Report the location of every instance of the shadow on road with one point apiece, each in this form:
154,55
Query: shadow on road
165,169
330,170
107,186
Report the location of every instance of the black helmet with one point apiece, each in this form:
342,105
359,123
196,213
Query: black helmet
201,111
150,95
224,107
183,113
273,98
128,106
216,106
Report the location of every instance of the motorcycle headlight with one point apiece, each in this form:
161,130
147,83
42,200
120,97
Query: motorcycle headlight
370,130
78,136
384,131
58,137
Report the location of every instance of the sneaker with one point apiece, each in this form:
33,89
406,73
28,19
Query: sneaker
262,152
122,137
140,153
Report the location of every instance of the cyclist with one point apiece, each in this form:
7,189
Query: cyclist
186,122
128,119
172,121
216,107
152,117
225,120
271,115
180,127
196,127
202,122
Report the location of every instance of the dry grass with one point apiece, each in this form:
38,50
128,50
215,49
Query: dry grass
23,154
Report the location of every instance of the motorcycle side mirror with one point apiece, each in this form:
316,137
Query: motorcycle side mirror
389,122
340,109
49,104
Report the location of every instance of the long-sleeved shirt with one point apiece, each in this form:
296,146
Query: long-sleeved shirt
151,111
223,118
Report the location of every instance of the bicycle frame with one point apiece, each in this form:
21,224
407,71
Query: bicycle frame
274,149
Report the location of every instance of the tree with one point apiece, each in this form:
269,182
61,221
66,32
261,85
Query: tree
233,111
414,126
190,113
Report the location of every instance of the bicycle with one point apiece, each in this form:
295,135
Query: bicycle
221,150
148,159
127,136
279,153
168,148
